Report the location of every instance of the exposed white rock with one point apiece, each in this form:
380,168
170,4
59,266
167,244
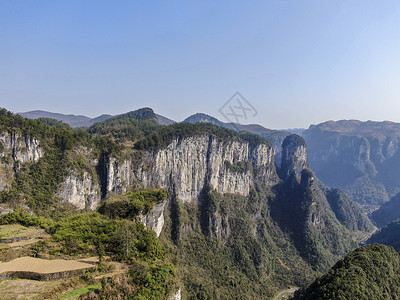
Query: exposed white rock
82,191
155,218
176,296
187,166
119,176
294,157
23,148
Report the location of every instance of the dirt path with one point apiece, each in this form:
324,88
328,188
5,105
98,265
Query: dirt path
285,293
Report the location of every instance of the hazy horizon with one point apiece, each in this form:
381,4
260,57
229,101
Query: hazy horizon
296,63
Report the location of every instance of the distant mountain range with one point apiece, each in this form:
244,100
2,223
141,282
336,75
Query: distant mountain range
361,157
79,120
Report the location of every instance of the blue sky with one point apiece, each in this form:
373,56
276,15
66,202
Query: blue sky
296,62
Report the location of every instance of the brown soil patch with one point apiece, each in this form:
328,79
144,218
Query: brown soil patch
38,265
283,264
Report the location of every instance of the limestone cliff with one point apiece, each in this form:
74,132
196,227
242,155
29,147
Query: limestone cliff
16,148
365,162
187,166
294,157
155,218
22,148
82,191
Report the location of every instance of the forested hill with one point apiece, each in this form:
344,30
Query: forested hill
369,272
78,120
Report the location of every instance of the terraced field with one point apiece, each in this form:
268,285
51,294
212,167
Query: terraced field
42,269
14,233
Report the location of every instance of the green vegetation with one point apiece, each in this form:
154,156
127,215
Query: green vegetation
127,127
239,167
366,190
132,204
74,294
369,272
347,212
150,274
145,113
25,219
38,182
224,249
293,139
224,246
53,122
18,231
302,210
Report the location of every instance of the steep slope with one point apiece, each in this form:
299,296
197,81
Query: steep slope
369,272
347,212
316,225
388,212
388,235
361,157
164,120
276,137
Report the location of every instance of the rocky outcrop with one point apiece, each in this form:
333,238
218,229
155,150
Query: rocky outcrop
294,157
176,295
155,218
23,148
16,148
118,176
302,210
187,166
82,191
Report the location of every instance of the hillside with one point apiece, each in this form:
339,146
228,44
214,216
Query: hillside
388,235
388,212
229,201
369,272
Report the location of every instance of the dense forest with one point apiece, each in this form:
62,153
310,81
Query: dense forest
369,272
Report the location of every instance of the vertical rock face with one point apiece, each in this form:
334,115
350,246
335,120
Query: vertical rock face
361,157
23,148
176,295
119,176
187,166
16,148
294,157
81,191
155,218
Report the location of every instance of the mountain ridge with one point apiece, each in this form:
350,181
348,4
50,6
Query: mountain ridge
80,120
